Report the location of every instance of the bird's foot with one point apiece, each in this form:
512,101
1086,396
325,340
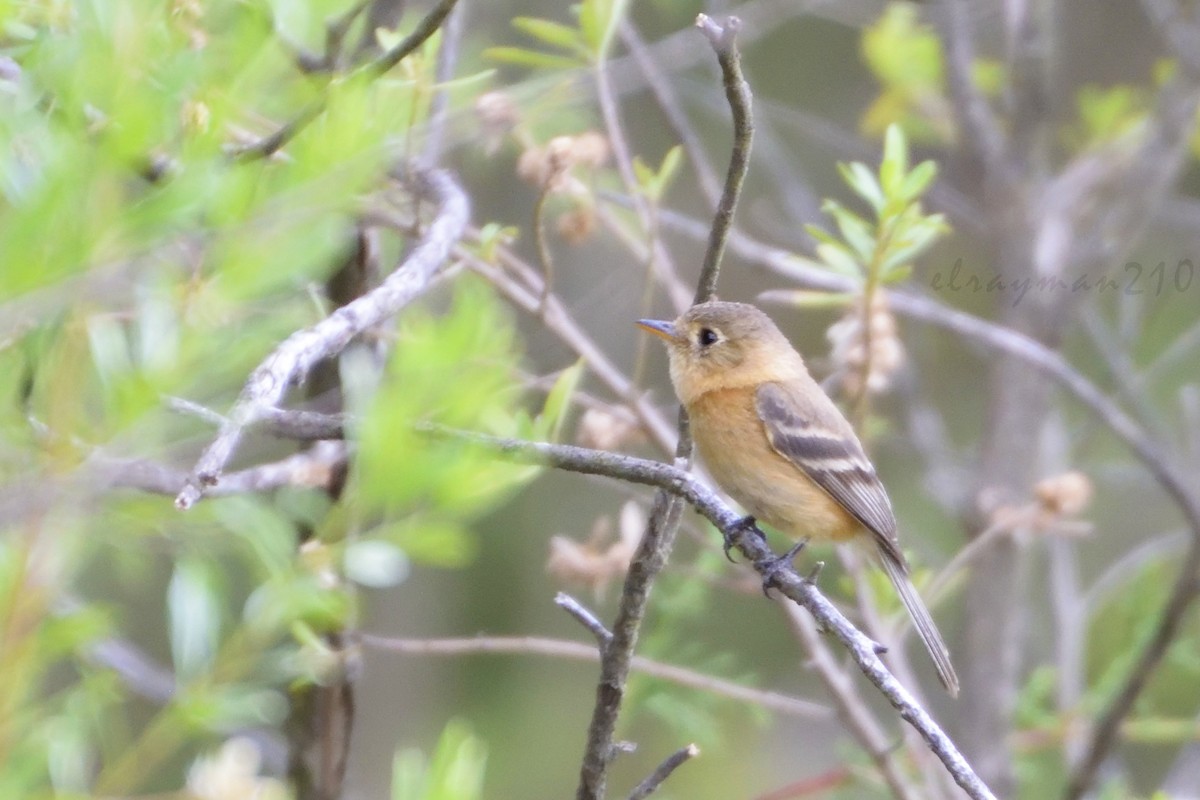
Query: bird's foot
771,569
744,525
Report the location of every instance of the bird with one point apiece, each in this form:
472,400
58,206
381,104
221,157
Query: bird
779,446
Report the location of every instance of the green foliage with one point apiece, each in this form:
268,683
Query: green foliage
1106,115
906,57
164,266
574,47
457,370
882,247
654,183
455,772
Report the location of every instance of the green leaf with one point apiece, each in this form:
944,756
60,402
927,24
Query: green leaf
806,298
857,232
914,239
821,235
531,58
558,400
430,541
597,22
895,161
897,274
916,182
455,772
838,257
669,168
644,174
194,619
903,52
375,563
554,34
859,178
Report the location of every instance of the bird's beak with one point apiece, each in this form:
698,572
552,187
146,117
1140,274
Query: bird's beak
659,327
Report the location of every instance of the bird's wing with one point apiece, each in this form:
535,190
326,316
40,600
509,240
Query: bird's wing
823,446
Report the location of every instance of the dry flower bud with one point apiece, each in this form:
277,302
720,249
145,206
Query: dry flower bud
603,430
576,225
497,113
849,347
590,563
532,167
549,167
591,149
1067,494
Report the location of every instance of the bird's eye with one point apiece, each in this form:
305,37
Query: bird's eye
707,336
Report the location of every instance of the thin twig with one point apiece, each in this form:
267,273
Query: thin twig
669,765
524,291
425,28
579,651
336,28
784,579
660,87
452,33
975,117
656,544
315,468
586,618
543,247
305,426
658,262
723,38
270,144
853,712
302,350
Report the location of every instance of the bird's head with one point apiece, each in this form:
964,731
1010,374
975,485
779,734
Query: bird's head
718,345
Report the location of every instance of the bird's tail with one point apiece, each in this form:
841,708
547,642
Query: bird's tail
921,621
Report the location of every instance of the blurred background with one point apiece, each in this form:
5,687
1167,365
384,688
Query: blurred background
184,185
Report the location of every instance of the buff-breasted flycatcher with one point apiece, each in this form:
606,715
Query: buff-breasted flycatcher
779,446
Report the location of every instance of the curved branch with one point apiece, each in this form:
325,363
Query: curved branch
723,39
292,359
656,544
784,579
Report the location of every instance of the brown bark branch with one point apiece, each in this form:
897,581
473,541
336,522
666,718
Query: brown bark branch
785,580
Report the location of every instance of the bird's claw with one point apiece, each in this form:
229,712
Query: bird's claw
746,524
772,567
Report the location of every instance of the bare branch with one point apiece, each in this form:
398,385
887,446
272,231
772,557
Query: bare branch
586,618
723,38
676,117
659,260
292,359
526,294
314,468
656,544
672,762
852,710
784,579
975,117
272,143
425,28
578,651
452,33
309,426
